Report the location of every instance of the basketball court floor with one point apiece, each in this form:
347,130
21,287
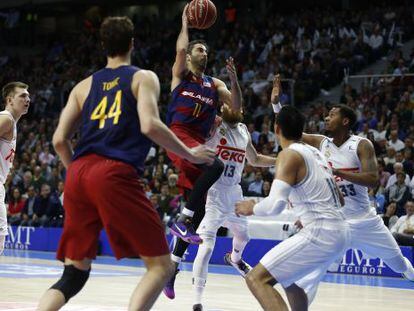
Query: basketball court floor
25,275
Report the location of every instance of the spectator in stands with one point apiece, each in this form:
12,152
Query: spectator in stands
172,184
255,187
266,188
45,156
398,193
395,142
389,159
383,176
28,209
403,230
15,207
398,168
48,209
38,178
165,199
154,198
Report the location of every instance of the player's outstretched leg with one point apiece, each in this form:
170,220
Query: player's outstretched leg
234,258
184,227
200,269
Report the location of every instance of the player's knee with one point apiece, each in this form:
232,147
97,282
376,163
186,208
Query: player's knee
217,166
71,282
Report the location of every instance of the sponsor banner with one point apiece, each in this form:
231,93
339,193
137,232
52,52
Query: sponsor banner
353,261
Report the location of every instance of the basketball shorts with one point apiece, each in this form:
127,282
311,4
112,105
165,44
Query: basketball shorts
220,206
105,193
315,246
189,172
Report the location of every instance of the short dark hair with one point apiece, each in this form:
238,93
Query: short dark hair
8,89
347,112
116,35
194,42
291,122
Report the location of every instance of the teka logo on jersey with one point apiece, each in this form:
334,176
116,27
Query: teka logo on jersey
231,154
354,262
19,237
204,99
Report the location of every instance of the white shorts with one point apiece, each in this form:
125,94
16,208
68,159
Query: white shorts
315,246
220,207
3,212
369,235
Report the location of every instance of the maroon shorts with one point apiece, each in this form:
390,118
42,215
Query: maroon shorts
105,193
189,172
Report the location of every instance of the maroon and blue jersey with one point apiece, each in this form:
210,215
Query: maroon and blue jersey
193,106
110,125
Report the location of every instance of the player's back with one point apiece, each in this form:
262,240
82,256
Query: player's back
110,124
345,158
193,106
315,198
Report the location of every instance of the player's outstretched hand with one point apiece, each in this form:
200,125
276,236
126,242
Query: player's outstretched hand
231,69
276,90
184,18
202,154
245,208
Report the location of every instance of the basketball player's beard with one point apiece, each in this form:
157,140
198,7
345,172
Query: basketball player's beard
231,116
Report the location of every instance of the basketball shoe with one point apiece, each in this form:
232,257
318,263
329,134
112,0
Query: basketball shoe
242,267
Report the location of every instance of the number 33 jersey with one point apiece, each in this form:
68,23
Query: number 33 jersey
110,125
230,144
345,158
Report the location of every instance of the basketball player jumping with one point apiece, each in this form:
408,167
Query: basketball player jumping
233,144
17,101
116,110
304,178
191,116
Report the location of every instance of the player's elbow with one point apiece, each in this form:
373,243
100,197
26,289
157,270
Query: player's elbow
374,180
58,141
149,128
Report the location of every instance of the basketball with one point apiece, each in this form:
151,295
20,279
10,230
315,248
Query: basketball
201,14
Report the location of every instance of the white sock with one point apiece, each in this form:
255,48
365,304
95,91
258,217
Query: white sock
239,243
187,212
2,240
200,267
175,258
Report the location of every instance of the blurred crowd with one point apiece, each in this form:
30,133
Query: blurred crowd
311,47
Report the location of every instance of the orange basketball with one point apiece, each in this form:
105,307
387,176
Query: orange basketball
201,14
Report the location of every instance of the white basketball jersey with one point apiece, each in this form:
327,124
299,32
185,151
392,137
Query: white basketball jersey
7,149
315,197
345,158
230,144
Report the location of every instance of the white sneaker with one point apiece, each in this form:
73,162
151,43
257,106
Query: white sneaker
409,274
242,267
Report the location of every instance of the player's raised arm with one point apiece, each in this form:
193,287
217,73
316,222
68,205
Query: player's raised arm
369,167
155,129
68,122
310,139
256,159
234,97
179,68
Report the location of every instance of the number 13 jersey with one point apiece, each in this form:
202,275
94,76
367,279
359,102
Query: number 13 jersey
230,144
346,158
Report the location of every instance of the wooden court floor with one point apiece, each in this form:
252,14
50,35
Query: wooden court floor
24,279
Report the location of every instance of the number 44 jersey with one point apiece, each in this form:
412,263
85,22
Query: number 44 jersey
345,157
230,143
110,124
